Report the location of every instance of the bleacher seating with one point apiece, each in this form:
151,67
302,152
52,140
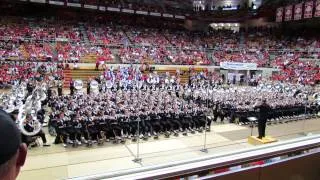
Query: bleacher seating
32,39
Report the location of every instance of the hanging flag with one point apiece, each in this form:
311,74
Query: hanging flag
308,9
317,12
279,15
288,13
298,11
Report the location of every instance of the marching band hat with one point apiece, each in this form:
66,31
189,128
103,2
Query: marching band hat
8,130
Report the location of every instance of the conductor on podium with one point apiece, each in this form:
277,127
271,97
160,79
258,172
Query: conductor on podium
264,109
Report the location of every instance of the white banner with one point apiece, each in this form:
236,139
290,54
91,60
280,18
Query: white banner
167,15
90,6
155,14
102,8
142,12
179,17
38,1
73,4
238,66
113,9
127,10
56,3
61,39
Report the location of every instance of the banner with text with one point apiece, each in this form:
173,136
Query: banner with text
308,9
288,13
238,66
279,15
317,13
297,11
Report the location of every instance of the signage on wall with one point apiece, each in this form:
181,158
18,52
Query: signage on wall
317,12
298,11
288,13
238,66
308,9
279,15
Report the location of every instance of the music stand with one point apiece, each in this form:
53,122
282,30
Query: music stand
252,120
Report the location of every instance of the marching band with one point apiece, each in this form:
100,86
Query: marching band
130,108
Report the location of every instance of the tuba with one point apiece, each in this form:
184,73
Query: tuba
40,93
31,107
109,84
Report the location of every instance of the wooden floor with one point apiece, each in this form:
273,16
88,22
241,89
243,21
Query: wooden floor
56,162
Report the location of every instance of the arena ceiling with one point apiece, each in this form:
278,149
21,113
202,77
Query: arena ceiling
186,7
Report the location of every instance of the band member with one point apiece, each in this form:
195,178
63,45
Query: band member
124,122
60,88
216,112
49,93
88,86
186,122
91,123
71,87
30,87
29,127
134,118
264,108
144,128
61,130
155,121
177,126
115,125
103,126
75,130
116,112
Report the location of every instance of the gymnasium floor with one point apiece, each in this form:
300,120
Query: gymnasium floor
57,162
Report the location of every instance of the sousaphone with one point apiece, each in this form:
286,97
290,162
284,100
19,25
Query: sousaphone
109,84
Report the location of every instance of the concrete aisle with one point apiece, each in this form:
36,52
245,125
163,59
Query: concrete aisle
56,162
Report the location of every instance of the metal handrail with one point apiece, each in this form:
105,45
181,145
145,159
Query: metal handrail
212,162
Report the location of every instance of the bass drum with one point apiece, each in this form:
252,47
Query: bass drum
78,85
94,85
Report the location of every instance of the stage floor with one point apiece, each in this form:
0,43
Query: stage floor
57,162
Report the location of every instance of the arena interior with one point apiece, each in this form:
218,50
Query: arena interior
110,86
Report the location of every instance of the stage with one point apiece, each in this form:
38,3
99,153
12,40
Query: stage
57,162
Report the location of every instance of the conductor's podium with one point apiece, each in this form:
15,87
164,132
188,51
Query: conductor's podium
256,141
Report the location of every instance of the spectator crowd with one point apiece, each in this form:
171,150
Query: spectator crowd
49,40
